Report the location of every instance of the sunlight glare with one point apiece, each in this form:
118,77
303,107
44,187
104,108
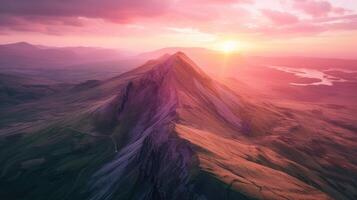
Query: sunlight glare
229,46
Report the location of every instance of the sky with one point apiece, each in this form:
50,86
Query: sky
323,28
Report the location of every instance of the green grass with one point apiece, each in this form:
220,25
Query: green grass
70,160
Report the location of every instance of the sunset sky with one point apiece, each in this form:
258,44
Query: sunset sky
325,28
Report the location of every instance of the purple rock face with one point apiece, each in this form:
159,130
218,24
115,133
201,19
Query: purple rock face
153,161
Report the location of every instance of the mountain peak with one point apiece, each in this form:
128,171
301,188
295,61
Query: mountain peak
179,54
182,56
172,57
178,64
160,83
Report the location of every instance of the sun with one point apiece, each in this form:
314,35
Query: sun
228,46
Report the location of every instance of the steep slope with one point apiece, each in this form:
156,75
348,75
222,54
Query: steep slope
154,162
166,130
179,115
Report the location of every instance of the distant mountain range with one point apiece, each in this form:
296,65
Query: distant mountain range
168,130
65,64
23,54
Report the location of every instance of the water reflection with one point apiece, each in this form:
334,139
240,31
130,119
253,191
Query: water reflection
324,79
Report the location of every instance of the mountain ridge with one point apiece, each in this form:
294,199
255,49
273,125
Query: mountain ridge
174,105
166,81
167,130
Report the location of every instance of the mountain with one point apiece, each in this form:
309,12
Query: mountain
25,55
218,63
167,130
212,61
64,64
172,50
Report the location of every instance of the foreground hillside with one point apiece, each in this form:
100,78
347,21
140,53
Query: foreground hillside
167,130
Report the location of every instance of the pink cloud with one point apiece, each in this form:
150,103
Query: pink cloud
280,18
311,27
297,30
340,11
216,17
314,8
63,17
318,8
116,11
344,18
120,11
222,1
48,25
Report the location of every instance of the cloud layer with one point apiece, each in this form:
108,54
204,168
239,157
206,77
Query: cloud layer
199,20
